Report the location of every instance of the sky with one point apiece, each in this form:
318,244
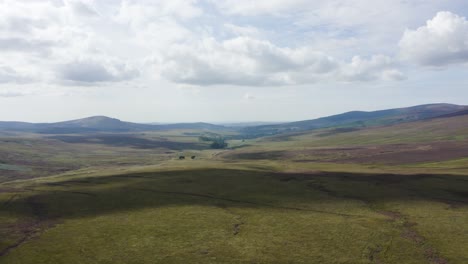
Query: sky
228,60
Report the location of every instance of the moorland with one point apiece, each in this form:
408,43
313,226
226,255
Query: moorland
388,186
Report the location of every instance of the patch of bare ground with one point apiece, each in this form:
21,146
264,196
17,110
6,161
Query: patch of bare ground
409,232
31,228
236,228
373,255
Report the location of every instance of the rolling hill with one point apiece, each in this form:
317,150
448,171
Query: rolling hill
347,121
395,192
99,124
359,119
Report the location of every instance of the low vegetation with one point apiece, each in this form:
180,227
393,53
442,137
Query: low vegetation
236,215
392,194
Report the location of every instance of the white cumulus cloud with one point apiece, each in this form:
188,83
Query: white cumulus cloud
442,41
249,61
377,67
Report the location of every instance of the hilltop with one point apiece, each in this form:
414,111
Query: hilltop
348,121
99,124
359,119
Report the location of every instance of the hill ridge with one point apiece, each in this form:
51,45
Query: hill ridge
359,119
350,119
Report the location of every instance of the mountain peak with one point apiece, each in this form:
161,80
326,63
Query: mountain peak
93,121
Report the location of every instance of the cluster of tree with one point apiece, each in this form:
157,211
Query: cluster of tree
217,141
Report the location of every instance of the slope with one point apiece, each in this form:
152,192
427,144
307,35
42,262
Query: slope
359,119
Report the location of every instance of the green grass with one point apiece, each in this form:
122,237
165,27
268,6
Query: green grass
29,156
445,129
270,200
237,216
447,165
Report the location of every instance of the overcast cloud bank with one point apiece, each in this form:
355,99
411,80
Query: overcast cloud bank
172,49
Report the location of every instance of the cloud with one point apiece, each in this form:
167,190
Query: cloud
243,30
331,13
249,97
89,72
67,42
251,62
24,45
336,26
144,11
442,41
9,93
18,24
10,75
251,8
237,61
377,67
296,42
81,9
393,75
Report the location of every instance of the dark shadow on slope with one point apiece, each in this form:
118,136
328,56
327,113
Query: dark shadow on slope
102,195
42,205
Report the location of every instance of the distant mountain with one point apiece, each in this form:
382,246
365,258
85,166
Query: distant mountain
459,113
7,125
347,121
98,124
91,124
359,119
94,122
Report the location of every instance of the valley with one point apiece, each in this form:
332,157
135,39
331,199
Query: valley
389,193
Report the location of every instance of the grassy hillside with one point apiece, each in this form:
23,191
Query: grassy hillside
359,119
25,155
414,144
235,215
431,130
389,194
